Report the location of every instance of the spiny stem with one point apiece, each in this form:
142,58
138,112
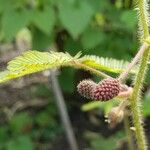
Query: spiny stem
135,102
82,66
142,6
135,97
128,132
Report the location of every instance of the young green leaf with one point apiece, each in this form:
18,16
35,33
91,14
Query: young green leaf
34,61
13,21
44,19
75,18
106,64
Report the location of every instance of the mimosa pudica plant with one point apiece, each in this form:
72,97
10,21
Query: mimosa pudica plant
107,89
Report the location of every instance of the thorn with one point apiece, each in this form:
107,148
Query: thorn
132,128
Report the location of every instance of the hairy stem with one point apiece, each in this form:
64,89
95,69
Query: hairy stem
135,102
139,79
142,7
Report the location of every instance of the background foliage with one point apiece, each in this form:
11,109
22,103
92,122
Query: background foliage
98,27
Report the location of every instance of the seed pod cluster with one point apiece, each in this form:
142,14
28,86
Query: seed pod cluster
104,90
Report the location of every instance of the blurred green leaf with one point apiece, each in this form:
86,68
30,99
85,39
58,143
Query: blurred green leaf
3,134
129,20
44,19
21,122
102,143
91,38
41,40
5,5
146,104
13,21
75,18
66,79
42,90
98,142
20,143
44,119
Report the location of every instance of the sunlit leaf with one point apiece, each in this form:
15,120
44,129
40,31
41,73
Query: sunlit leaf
106,64
34,61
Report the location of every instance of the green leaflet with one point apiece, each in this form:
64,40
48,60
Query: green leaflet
35,61
106,64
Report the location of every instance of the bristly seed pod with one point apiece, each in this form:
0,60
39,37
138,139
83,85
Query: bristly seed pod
106,89
103,91
85,88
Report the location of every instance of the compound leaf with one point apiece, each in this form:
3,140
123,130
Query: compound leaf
106,64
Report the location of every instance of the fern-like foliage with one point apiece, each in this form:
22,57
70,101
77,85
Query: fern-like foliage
106,64
35,61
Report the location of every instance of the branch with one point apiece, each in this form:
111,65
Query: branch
63,111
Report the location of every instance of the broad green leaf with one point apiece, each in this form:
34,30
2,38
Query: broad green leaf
13,21
129,19
146,104
92,38
34,61
106,64
5,5
75,18
40,40
44,19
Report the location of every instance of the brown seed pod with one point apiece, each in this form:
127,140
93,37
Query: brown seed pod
85,88
106,89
